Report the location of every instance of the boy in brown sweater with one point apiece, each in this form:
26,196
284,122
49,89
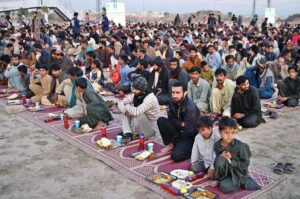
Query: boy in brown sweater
41,85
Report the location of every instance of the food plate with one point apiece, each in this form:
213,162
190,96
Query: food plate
160,178
180,173
106,93
13,96
179,184
113,145
200,193
14,102
35,109
53,115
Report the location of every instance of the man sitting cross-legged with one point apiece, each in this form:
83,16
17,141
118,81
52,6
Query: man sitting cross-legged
245,104
179,129
96,111
289,88
140,110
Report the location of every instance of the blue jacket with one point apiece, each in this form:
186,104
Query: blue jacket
105,24
75,24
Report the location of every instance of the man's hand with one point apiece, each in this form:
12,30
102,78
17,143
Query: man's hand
211,173
168,148
226,155
238,115
282,99
35,71
54,98
245,60
182,124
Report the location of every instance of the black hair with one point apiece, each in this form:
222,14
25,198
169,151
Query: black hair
97,63
38,45
144,63
55,67
174,60
203,63
179,84
220,71
75,14
45,67
193,48
228,57
142,49
92,54
179,53
254,48
166,42
9,45
81,82
74,71
23,69
205,121
292,68
241,79
123,57
16,56
195,69
227,122
5,58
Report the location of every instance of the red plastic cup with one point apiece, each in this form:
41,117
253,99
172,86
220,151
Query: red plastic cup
103,131
24,99
66,121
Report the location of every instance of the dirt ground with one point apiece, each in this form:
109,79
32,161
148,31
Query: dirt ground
36,164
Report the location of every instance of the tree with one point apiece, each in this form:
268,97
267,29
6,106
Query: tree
21,11
166,14
45,9
229,14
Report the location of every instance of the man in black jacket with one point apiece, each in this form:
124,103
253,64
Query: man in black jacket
289,88
179,129
159,81
245,104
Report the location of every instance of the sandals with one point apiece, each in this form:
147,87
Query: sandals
287,168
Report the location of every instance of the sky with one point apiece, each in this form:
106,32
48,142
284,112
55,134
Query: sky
284,8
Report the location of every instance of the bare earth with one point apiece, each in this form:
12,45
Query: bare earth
36,164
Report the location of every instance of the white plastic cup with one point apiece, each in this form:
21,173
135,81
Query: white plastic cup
150,147
27,101
37,104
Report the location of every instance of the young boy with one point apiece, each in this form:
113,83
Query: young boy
207,73
203,155
233,159
40,86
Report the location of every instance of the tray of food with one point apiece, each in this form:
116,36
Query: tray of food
13,96
181,174
14,102
201,193
106,93
160,178
105,143
179,184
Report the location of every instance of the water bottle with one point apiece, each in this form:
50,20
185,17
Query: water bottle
103,131
142,141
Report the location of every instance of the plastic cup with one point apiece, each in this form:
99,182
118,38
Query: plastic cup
119,139
150,147
27,101
77,124
61,116
37,104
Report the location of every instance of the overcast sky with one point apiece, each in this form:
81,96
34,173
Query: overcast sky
284,8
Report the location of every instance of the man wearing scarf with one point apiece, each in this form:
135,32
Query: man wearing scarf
140,111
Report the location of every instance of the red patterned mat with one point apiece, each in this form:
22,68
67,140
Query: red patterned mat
120,160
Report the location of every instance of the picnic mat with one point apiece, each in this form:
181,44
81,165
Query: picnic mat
277,108
120,160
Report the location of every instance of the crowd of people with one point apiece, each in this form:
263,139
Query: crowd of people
200,70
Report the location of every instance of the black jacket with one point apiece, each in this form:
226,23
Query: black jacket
162,83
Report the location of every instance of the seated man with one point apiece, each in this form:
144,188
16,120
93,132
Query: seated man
40,86
58,76
279,69
177,74
159,82
179,129
231,67
289,88
262,78
232,161
203,154
222,91
140,71
140,111
96,111
192,60
13,75
199,89
25,77
245,104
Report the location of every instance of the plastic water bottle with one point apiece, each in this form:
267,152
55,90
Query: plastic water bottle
142,141
103,131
